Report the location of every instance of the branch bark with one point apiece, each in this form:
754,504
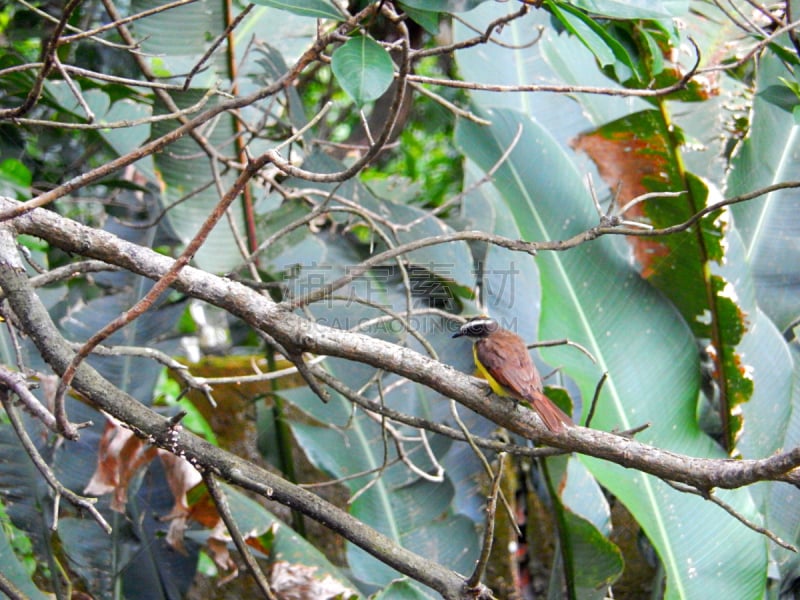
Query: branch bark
301,335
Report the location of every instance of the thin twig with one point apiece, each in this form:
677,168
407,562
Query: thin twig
433,427
6,317
565,89
650,196
702,213
753,51
213,47
399,440
483,37
16,383
456,110
595,398
153,294
512,519
81,502
93,33
714,499
10,590
70,271
564,342
259,377
89,74
385,452
181,371
350,477
125,123
302,368
376,259
221,501
488,532
76,92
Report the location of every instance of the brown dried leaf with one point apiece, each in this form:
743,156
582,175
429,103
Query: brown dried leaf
297,582
120,455
217,543
631,166
181,477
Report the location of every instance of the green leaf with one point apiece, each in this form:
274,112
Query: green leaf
427,19
635,9
15,178
781,96
639,154
593,297
13,569
363,68
583,496
768,225
598,562
585,524
187,192
445,6
318,9
175,55
403,589
608,51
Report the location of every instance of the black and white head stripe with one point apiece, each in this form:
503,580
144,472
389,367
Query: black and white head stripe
478,327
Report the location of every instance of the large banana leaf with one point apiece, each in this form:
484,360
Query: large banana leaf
770,226
512,294
416,513
546,185
593,296
755,269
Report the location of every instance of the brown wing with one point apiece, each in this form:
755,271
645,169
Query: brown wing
506,357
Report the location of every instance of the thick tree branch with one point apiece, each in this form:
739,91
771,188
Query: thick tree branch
299,333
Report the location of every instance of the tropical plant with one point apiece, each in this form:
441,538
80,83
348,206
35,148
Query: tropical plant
236,241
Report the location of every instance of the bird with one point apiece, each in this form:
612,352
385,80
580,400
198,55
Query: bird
502,358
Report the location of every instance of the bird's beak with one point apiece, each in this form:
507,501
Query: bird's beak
457,334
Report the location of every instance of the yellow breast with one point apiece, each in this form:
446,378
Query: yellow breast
484,373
